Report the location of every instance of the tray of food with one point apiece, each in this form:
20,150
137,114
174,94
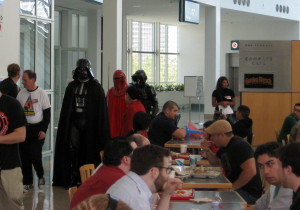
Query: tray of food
206,172
185,156
183,194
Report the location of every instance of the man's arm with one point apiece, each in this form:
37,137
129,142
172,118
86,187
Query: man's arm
44,124
211,157
248,172
17,136
179,133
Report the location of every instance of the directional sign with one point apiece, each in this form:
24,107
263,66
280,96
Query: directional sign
235,45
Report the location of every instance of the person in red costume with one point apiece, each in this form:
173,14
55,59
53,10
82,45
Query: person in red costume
132,98
116,103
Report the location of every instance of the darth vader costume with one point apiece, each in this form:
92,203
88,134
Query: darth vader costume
148,99
83,128
116,102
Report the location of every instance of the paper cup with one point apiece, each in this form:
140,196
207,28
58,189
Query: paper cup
193,160
183,148
179,162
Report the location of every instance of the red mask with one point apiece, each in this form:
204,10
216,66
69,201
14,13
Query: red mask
120,83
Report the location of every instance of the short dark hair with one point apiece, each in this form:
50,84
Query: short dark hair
13,70
208,123
297,104
220,81
289,155
169,105
146,157
244,110
134,92
115,150
270,149
31,74
141,121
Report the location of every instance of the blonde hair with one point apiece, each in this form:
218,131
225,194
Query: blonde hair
99,202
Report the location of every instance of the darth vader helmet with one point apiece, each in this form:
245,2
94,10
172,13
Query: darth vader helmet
139,78
83,71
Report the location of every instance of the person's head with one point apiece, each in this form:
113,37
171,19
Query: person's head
170,109
141,121
267,158
83,71
139,139
151,162
139,78
220,132
29,79
132,93
289,156
242,112
296,110
119,80
118,152
206,125
222,83
102,202
13,70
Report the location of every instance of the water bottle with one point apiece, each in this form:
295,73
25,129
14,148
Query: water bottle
217,202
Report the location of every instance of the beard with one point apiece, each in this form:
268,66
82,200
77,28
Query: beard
159,183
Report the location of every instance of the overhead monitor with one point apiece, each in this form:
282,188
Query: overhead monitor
189,11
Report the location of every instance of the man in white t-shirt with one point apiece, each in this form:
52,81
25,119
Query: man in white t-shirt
36,105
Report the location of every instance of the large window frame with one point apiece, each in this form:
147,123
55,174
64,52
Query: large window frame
148,53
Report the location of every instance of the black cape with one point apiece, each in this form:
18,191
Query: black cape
97,133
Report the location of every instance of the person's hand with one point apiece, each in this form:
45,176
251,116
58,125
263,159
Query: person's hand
202,153
171,185
205,145
224,103
42,135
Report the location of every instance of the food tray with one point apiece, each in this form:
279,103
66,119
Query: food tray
207,174
183,194
185,156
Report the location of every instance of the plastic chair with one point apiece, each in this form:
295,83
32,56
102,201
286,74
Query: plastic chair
86,171
71,192
102,155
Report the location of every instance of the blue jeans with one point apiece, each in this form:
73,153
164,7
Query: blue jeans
246,196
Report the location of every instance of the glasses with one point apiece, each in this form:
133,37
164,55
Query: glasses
296,110
168,169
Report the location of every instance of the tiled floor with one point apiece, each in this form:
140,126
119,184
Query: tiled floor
56,198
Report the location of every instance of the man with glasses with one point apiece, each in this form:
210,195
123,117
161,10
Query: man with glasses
149,173
288,124
116,163
236,157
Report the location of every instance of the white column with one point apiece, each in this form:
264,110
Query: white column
112,40
212,54
94,41
66,33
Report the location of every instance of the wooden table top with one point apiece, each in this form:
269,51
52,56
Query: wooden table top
221,182
193,143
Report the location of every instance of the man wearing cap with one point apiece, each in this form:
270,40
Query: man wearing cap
237,158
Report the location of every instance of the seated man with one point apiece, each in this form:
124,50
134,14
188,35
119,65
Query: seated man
276,197
149,174
288,123
141,123
139,139
116,163
163,127
236,157
289,156
243,127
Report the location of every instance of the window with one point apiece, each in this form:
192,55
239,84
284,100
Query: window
155,53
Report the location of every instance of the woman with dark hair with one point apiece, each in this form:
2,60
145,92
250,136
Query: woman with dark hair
132,98
222,95
141,123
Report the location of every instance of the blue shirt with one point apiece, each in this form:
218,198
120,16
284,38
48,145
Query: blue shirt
133,190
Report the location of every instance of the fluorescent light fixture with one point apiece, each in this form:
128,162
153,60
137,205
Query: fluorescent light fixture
95,1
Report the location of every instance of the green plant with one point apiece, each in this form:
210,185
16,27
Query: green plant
169,87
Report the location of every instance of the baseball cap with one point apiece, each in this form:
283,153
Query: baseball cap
220,126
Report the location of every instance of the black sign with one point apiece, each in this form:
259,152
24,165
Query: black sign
258,80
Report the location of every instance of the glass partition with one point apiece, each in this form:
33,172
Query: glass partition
27,7
44,8
27,43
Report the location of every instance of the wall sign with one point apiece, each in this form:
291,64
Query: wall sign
235,45
258,80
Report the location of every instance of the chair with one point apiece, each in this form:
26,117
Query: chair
102,155
86,171
71,192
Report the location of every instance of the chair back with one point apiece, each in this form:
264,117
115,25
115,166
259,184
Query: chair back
86,171
102,155
72,191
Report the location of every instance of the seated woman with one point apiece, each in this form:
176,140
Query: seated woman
132,98
141,123
102,202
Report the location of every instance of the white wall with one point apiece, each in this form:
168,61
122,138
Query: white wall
10,37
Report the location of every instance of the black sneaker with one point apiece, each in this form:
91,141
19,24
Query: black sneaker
41,183
26,188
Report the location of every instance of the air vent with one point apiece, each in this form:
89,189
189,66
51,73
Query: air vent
242,2
282,9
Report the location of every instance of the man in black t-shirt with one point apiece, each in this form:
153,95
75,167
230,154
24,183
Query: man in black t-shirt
163,127
12,131
237,158
9,85
289,156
